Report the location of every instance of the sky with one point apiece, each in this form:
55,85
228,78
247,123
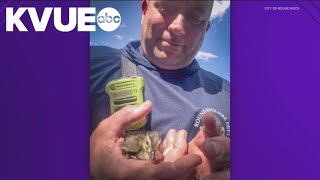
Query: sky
214,54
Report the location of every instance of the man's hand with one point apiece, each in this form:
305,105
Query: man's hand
107,161
175,145
213,149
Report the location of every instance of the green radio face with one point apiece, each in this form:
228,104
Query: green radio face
126,91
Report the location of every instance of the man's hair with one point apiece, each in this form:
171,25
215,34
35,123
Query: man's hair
144,5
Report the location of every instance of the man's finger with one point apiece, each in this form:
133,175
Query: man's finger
187,163
221,175
180,140
180,143
122,119
217,149
168,141
170,137
180,168
211,125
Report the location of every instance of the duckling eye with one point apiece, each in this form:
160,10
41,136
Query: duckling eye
148,142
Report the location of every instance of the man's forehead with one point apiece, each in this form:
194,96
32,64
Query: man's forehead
190,1
201,5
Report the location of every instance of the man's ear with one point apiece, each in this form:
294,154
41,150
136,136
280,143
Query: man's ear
208,26
144,6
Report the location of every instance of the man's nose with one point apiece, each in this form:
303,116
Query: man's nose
178,25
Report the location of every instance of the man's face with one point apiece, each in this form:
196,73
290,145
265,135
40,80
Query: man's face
173,31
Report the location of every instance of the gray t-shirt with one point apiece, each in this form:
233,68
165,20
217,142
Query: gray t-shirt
179,97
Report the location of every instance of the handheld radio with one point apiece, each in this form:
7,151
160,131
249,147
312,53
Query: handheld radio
126,91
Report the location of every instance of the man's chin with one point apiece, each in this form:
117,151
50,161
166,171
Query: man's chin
168,58
166,63
169,55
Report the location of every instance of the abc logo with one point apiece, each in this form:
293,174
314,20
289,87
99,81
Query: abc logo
109,19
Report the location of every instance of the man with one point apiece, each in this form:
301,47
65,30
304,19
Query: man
182,94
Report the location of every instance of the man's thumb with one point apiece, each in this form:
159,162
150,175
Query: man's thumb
211,125
122,119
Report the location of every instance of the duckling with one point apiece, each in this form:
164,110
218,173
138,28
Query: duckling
142,145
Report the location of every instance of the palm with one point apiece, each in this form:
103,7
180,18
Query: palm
211,128
195,147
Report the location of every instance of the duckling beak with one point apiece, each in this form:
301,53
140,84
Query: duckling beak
153,155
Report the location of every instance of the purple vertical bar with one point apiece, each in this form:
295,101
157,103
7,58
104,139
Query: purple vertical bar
275,92
44,79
